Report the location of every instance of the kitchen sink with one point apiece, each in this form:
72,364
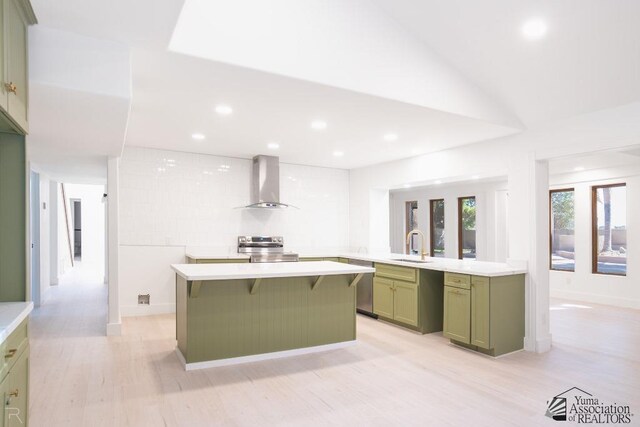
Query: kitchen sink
418,261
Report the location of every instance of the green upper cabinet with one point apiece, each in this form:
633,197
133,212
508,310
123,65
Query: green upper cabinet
17,15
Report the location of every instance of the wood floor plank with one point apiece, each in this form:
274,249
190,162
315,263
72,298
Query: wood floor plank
79,377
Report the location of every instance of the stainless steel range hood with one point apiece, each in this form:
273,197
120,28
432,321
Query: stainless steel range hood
265,183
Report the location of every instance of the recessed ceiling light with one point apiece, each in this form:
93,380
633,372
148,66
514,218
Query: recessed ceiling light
475,177
273,146
198,136
407,185
223,110
318,125
438,181
338,153
578,169
534,29
390,137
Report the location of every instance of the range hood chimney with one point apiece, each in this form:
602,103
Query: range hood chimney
265,183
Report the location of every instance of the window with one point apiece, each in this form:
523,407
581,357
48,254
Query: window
411,211
609,232
467,227
437,228
562,231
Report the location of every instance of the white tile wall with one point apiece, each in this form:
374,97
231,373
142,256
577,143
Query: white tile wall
181,199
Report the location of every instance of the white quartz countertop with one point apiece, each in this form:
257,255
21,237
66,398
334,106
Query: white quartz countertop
478,268
208,254
266,270
11,315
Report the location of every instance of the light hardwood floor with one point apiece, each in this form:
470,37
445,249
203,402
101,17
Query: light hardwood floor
79,377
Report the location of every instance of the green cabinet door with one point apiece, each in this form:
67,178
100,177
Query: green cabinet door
480,311
4,395
383,297
3,62
15,38
405,303
457,314
17,400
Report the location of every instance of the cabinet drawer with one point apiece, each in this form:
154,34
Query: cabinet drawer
480,280
14,345
407,274
457,280
311,259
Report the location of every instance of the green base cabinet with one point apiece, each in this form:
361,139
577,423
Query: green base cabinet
235,318
457,314
409,297
485,314
14,378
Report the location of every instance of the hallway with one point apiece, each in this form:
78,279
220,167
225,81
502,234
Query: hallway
80,377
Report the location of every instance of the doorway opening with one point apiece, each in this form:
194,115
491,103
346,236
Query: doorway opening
76,219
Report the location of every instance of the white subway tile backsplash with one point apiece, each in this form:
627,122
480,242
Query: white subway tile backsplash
181,199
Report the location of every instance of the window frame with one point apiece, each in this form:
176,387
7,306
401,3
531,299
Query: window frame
559,190
460,236
594,227
431,228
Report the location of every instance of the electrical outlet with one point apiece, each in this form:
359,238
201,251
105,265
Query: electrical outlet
144,299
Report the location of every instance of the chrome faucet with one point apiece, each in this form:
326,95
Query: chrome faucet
416,231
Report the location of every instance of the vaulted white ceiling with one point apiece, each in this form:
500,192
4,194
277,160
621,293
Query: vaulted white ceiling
589,59
437,74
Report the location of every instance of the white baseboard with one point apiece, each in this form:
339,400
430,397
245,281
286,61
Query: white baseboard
541,345
146,310
114,329
595,299
260,357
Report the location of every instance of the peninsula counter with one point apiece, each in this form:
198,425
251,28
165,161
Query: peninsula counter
235,313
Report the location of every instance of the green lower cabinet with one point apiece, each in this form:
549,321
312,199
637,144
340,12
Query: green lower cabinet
457,314
485,314
409,297
383,297
16,395
405,303
480,309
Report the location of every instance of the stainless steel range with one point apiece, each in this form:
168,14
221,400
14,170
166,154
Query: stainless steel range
265,249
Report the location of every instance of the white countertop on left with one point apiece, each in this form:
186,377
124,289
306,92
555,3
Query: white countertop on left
11,315
266,270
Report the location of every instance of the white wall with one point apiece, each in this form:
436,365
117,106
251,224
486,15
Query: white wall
45,248
582,285
173,200
488,247
54,189
64,255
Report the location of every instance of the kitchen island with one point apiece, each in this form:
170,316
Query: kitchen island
235,313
